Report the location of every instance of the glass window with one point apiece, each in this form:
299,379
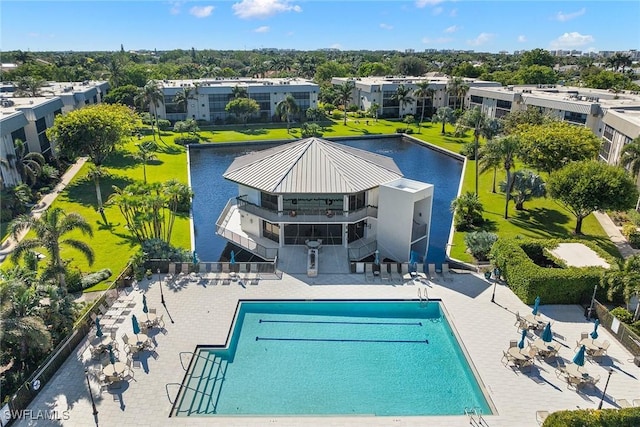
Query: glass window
608,132
269,201
271,231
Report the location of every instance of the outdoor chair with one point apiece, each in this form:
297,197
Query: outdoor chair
384,271
153,310
561,369
254,270
513,343
602,351
396,276
520,322
129,373
160,321
541,416
432,271
584,335
404,270
506,358
368,272
636,403
93,316
446,273
623,403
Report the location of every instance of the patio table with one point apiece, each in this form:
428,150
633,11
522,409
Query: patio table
114,369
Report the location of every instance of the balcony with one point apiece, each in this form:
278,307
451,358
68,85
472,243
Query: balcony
312,216
418,231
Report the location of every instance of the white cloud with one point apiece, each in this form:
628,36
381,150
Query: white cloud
175,7
386,26
437,11
438,40
336,46
573,39
452,29
423,3
481,39
453,13
564,17
522,39
201,11
263,29
248,9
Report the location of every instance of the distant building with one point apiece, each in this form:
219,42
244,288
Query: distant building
209,97
620,128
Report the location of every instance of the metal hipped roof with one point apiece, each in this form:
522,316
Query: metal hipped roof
312,165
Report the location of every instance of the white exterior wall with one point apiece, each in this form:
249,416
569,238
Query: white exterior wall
401,202
10,175
251,194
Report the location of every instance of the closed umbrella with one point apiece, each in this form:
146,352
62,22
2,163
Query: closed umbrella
134,323
594,334
145,309
578,359
536,305
98,328
547,335
232,260
195,258
112,357
376,260
521,343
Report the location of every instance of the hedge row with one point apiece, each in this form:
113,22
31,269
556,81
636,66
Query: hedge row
627,417
567,285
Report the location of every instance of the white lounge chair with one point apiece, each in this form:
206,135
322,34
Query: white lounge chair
368,272
384,271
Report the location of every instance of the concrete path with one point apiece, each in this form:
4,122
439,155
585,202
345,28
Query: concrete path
10,243
615,235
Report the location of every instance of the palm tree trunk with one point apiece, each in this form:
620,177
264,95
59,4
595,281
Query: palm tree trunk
144,171
578,229
443,123
98,192
493,188
475,159
421,116
507,194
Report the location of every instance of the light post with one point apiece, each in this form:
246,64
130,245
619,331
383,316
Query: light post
93,403
161,294
605,388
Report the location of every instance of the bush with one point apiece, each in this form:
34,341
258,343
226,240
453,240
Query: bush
631,233
634,217
164,124
571,285
185,140
159,249
73,278
352,108
310,129
95,278
626,417
468,150
408,131
479,243
623,315
337,114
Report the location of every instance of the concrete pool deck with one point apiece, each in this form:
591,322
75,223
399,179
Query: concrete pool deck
203,314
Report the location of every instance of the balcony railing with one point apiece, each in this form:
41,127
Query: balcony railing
418,231
362,248
323,215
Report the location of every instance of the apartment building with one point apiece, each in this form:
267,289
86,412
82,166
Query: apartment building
620,127
209,97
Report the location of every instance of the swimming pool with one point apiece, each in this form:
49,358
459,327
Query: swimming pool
333,358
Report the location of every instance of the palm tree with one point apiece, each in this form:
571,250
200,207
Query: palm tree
151,96
453,89
444,115
403,96
239,92
178,196
49,231
525,186
490,159
344,95
29,86
463,89
423,92
144,154
627,281
29,165
287,108
506,148
630,159
467,210
182,98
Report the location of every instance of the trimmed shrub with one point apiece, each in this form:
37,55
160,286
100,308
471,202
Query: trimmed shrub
626,417
73,279
95,278
623,315
479,243
164,124
337,114
408,131
570,285
185,140
468,150
631,233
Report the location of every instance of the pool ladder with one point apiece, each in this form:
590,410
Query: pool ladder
423,297
475,417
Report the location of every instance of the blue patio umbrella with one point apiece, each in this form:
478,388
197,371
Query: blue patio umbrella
594,334
536,305
195,258
376,260
578,359
98,328
232,260
112,357
134,323
415,257
145,309
521,343
547,335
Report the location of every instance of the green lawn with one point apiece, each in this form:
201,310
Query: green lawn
113,245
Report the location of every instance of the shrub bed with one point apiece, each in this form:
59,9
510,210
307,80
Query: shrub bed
627,417
184,140
569,285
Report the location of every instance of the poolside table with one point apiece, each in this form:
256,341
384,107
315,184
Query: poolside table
102,342
583,376
150,319
114,369
517,354
590,345
545,349
534,322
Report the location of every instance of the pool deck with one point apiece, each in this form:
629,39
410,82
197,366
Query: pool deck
203,314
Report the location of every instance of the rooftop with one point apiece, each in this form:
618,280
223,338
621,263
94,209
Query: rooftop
236,81
312,165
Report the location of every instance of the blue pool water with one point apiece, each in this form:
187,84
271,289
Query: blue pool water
414,160
351,357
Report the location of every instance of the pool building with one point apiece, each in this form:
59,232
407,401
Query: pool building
314,192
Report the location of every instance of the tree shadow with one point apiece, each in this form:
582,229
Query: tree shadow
168,149
489,225
364,132
121,159
84,191
154,162
541,221
259,131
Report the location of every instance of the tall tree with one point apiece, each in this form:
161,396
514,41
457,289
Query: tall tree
287,108
28,165
239,92
29,86
587,186
344,96
453,89
525,185
467,210
422,93
49,231
444,115
630,157
551,146
506,149
151,96
144,154
403,96
96,173
182,98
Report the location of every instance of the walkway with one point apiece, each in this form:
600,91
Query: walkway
615,235
9,244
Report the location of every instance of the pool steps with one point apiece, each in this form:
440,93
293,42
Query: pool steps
201,392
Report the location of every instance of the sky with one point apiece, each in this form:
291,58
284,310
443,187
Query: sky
483,26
